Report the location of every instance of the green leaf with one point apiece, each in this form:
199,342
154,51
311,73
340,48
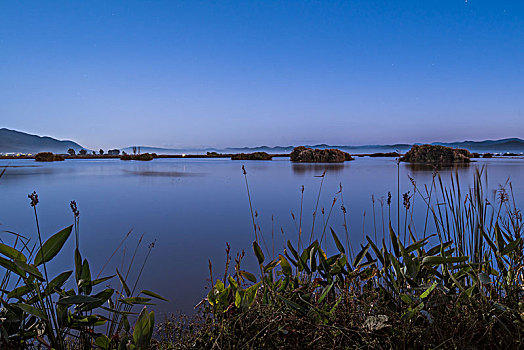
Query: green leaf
30,269
286,267
499,238
418,244
292,250
52,246
103,342
19,292
78,265
271,265
249,276
76,299
484,278
360,256
511,246
250,294
376,250
412,266
11,266
153,294
293,305
438,248
428,291
101,297
31,310
219,285
258,253
136,300
101,280
238,299
325,292
85,278
120,312
12,253
143,329
436,260
394,240
339,245
58,282
313,259
406,298
124,284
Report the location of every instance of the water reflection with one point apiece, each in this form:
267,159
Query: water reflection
14,172
161,173
317,168
418,167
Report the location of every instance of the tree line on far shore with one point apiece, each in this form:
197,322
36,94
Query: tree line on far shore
83,152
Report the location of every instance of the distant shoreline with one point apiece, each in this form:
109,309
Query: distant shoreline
221,156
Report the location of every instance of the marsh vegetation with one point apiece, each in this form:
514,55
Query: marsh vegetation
458,283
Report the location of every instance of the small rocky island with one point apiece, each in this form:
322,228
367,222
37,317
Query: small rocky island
436,154
142,156
48,157
252,156
310,155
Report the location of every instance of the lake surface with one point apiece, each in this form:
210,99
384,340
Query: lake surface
190,208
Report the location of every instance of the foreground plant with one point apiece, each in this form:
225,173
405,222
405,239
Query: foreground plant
40,311
460,286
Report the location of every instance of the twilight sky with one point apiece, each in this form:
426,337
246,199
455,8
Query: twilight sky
247,73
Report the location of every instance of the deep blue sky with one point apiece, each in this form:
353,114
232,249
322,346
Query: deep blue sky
247,73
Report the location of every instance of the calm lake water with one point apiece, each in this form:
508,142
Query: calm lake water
190,208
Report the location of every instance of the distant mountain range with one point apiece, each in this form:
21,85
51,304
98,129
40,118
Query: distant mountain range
12,141
514,145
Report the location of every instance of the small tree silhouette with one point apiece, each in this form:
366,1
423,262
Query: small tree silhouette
71,152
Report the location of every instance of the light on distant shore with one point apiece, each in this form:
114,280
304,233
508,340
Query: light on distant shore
183,154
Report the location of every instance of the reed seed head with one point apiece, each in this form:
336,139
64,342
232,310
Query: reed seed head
406,199
74,208
34,198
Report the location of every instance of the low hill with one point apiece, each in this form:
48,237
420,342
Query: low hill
502,145
12,141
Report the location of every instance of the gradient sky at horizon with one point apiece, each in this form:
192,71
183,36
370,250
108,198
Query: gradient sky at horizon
247,73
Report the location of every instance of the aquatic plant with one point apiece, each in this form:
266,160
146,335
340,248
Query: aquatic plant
38,310
457,283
